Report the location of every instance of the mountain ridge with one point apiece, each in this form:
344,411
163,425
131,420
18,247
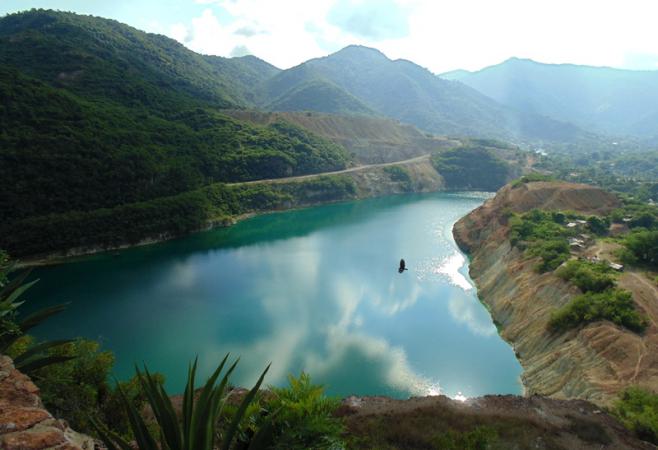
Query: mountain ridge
408,92
604,100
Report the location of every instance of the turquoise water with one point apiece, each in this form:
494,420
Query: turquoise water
315,290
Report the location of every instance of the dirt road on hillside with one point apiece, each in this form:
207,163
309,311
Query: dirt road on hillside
337,172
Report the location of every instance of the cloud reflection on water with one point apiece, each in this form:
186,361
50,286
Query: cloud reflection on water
330,338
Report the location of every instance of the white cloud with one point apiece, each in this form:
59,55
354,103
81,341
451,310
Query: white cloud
441,35
179,32
284,33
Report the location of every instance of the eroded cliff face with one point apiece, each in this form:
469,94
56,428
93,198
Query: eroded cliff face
594,362
24,423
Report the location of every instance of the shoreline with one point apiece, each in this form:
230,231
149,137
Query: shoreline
370,183
74,254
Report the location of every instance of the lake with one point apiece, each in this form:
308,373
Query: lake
315,290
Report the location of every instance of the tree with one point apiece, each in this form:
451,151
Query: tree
644,246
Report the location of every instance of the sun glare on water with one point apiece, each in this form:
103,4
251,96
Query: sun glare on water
450,266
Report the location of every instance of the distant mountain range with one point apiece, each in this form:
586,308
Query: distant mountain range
361,80
599,99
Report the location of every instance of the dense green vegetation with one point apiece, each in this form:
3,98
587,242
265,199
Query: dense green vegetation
163,217
303,417
104,59
553,252
600,299
628,168
643,246
481,437
542,234
472,167
614,305
97,116
637,409
59,153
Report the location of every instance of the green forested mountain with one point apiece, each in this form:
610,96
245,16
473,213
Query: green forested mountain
103,58
407,92
60,152
601,99
97,115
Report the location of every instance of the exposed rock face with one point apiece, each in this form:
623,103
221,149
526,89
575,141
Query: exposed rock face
376,182
24,423
594,362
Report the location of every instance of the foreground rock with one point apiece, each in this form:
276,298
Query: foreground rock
372,422
24,423
594,362
518,422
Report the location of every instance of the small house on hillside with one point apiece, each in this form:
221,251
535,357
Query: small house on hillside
576,244
615,266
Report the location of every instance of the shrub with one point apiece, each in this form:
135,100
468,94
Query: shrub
614,305
303,416
76,389
553,252
531,178
542,234
644,246
597,225
480,438
589,277
637,409
397,173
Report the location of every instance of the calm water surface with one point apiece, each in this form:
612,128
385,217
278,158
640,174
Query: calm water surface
315,290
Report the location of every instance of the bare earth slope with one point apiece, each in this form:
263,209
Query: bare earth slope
593,362
372,140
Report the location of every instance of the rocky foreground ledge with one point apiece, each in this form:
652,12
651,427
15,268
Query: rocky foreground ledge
24,423
594,362
520,422
372,422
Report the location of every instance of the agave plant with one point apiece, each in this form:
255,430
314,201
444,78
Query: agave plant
197,428
36,356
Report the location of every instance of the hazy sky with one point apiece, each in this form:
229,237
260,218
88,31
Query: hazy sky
437,34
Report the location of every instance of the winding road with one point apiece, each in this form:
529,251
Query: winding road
337,172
